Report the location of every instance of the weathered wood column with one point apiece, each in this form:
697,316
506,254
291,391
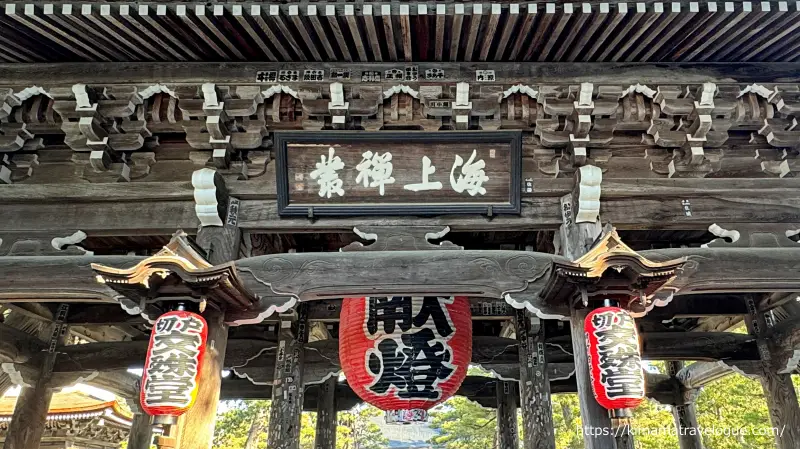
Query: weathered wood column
141,433
595,419
287,391
507,434
30,413
685,417
326,415
784,410
221,241
534,384
580,228
197,428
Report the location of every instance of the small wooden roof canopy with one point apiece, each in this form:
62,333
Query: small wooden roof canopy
66,406
680,31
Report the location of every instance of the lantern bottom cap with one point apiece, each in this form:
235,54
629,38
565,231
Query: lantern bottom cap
621,413
165,420
406,416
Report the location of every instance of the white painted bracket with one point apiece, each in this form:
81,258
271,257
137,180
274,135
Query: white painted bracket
589,179
337,98
82,98
205,182
585,96
210,100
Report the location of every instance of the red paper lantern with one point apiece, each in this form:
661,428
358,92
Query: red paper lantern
405,353
614,358
170,378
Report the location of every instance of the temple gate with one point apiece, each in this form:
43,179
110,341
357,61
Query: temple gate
251,168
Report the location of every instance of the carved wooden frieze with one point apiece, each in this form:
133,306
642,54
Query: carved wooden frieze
148,131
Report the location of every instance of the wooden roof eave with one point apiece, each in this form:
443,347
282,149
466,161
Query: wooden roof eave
276,31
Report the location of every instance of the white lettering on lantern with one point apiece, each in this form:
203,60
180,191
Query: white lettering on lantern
411,355
173,362
618,355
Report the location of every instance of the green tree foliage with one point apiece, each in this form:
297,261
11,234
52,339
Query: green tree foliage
464,424
244,425
567,421
357,431
732,403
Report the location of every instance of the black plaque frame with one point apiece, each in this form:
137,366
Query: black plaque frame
281,140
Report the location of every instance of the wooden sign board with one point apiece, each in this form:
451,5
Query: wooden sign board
398,173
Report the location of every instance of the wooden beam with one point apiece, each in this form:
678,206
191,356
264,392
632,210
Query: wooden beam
534,386
63,278
507,435
700,374
161,208
505,73
326,415
17,346
784,410
496,353
685,417
480,389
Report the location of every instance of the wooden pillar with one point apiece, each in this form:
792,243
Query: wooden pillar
196,430
326,415
573,240
141,433
685,417
507,435
534,385
784,410
596,422
287,391
30,413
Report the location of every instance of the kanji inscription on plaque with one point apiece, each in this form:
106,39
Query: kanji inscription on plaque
388,173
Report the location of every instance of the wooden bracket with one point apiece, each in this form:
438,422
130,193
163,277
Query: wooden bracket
400,238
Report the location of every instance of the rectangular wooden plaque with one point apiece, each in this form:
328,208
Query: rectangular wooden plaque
397,173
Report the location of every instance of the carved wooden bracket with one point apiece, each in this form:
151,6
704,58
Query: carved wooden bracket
43,244
754,235
178,271
400,238
613,270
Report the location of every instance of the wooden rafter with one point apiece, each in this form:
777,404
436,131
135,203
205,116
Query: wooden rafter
75,28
